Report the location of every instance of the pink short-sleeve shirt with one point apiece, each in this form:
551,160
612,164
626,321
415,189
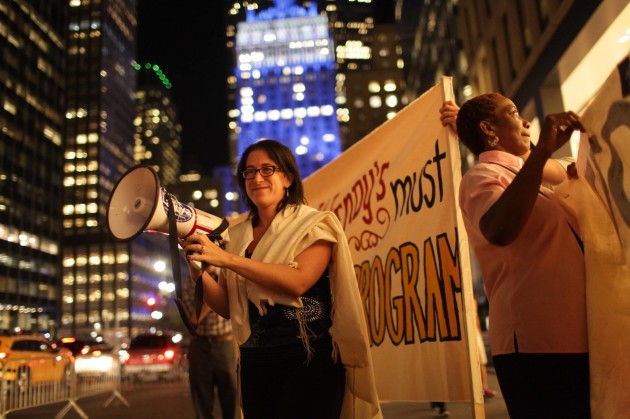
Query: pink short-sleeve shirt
535,285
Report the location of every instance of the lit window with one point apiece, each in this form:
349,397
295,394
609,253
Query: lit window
312,111
375,101
300,112
10,107
327,110
273,115
391,101
374,87
389,86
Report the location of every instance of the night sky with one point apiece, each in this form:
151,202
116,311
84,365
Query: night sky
186,39
188,44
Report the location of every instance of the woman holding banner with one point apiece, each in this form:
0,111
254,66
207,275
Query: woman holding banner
288,285
528,246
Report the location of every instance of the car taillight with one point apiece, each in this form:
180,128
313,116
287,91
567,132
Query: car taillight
169,354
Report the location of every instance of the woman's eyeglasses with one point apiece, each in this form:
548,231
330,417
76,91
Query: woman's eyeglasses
264,171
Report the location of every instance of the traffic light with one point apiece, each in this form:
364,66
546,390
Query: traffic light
151,301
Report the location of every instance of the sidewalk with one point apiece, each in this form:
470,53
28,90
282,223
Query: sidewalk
494,406
172,400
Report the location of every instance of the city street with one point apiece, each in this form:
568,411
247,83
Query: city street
172,400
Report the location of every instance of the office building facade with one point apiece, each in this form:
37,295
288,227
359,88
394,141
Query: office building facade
286,83
32,111
104,281
547,56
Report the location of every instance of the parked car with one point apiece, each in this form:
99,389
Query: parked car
80,346
33,359
92,357
153,356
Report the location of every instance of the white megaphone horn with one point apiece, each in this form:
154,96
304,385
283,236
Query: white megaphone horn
139,204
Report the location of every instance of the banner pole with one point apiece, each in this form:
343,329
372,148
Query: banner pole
474,366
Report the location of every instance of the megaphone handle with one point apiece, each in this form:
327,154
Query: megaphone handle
172,235
200,266
215,238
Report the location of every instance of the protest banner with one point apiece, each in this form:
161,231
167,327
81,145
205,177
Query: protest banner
395,194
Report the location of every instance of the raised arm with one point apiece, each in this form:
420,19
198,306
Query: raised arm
505,220
554,172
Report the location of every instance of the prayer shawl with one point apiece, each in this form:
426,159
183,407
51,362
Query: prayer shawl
292,231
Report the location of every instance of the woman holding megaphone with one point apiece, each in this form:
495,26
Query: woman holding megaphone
288,285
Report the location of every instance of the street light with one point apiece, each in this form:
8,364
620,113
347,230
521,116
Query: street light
159,266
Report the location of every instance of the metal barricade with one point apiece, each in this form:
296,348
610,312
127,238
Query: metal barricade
33,382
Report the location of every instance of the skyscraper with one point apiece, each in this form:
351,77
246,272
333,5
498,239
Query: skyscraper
286,82
99,275
32,112
351,25
158,136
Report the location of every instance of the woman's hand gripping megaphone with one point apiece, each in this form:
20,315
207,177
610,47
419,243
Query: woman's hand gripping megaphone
205,251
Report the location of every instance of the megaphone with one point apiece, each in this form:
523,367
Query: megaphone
138,203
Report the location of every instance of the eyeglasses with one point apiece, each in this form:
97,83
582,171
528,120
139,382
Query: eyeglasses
264,171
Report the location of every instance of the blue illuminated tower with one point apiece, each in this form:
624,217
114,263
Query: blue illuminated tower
286,82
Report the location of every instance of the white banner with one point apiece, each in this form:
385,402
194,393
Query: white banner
395,192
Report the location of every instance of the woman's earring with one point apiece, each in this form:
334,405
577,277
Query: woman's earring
493,141
286,192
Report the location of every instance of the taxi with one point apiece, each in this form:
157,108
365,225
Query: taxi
32,359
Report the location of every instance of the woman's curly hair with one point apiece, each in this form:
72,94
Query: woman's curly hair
472,112
284,158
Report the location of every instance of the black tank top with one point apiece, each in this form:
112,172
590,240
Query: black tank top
278,331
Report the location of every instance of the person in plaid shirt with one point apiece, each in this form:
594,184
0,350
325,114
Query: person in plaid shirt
211,359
